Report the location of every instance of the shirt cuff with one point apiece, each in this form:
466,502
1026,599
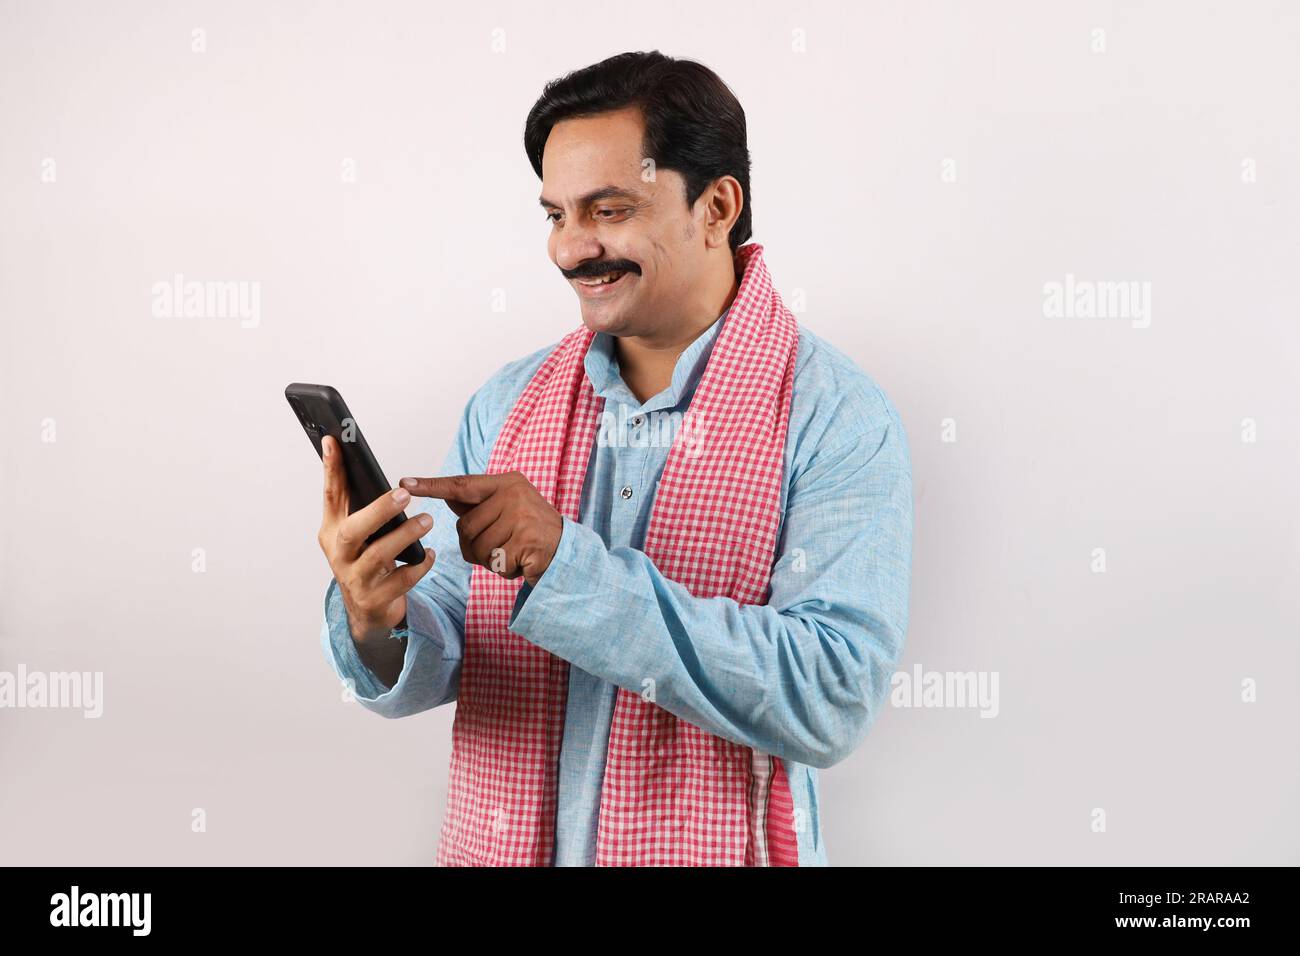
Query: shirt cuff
341,650
540,609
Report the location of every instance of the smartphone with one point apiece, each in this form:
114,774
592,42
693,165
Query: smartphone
322,411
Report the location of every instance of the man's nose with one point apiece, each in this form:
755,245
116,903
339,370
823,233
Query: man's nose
577,244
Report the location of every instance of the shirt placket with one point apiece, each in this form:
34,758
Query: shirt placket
631,463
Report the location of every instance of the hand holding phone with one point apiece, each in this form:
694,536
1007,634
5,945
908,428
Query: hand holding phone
364,530
372,584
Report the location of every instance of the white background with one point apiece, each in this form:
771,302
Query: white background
1119,691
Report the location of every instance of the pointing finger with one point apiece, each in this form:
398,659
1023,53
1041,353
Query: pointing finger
466,489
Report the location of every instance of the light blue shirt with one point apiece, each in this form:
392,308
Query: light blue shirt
801,677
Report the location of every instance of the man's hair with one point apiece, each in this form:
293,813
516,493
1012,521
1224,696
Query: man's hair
694,124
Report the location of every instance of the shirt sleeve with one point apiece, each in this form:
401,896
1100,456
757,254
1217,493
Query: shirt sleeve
801,677
435,607
430,668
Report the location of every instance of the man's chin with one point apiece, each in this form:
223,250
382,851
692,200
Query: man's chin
604,317
604,309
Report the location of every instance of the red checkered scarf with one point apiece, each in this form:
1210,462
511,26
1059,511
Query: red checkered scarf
673,794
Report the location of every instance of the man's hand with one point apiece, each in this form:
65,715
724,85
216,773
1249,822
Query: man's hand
505,524
373,587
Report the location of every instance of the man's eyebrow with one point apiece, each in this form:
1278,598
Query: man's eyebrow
596,195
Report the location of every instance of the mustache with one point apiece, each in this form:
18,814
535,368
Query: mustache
594,270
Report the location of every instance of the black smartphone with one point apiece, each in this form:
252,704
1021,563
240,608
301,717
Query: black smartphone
322,411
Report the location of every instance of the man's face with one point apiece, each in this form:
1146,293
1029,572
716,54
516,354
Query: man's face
606,219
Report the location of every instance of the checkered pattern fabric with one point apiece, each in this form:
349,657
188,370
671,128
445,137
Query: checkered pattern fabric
673,794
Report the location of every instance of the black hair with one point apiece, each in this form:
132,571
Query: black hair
693,122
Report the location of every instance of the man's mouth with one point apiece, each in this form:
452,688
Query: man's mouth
601,285
603,280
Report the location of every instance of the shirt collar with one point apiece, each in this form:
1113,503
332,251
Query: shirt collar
601,364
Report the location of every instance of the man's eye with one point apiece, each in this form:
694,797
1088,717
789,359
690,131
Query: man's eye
612,212
550,216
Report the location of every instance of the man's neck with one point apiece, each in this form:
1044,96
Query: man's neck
646,363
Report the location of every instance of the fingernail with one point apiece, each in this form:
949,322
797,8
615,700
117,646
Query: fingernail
407,482
325,444
425,521
401,496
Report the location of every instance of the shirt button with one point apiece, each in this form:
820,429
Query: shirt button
626,492
636,421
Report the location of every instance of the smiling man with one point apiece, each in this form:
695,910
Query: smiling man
672,550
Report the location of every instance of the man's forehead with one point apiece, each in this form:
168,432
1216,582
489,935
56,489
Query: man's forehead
617,134
587,158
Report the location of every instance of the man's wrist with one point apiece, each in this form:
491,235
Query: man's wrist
379,636
556,557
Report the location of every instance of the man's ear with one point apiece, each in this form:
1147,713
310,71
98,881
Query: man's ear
724,200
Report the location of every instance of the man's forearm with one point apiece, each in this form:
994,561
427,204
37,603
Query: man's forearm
802,687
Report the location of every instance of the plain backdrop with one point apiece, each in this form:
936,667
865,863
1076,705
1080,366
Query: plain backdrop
921,171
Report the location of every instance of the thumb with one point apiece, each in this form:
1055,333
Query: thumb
336,481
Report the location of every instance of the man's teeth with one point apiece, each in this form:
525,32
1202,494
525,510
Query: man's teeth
603,280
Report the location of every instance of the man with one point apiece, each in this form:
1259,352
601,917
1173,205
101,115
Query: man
673,553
